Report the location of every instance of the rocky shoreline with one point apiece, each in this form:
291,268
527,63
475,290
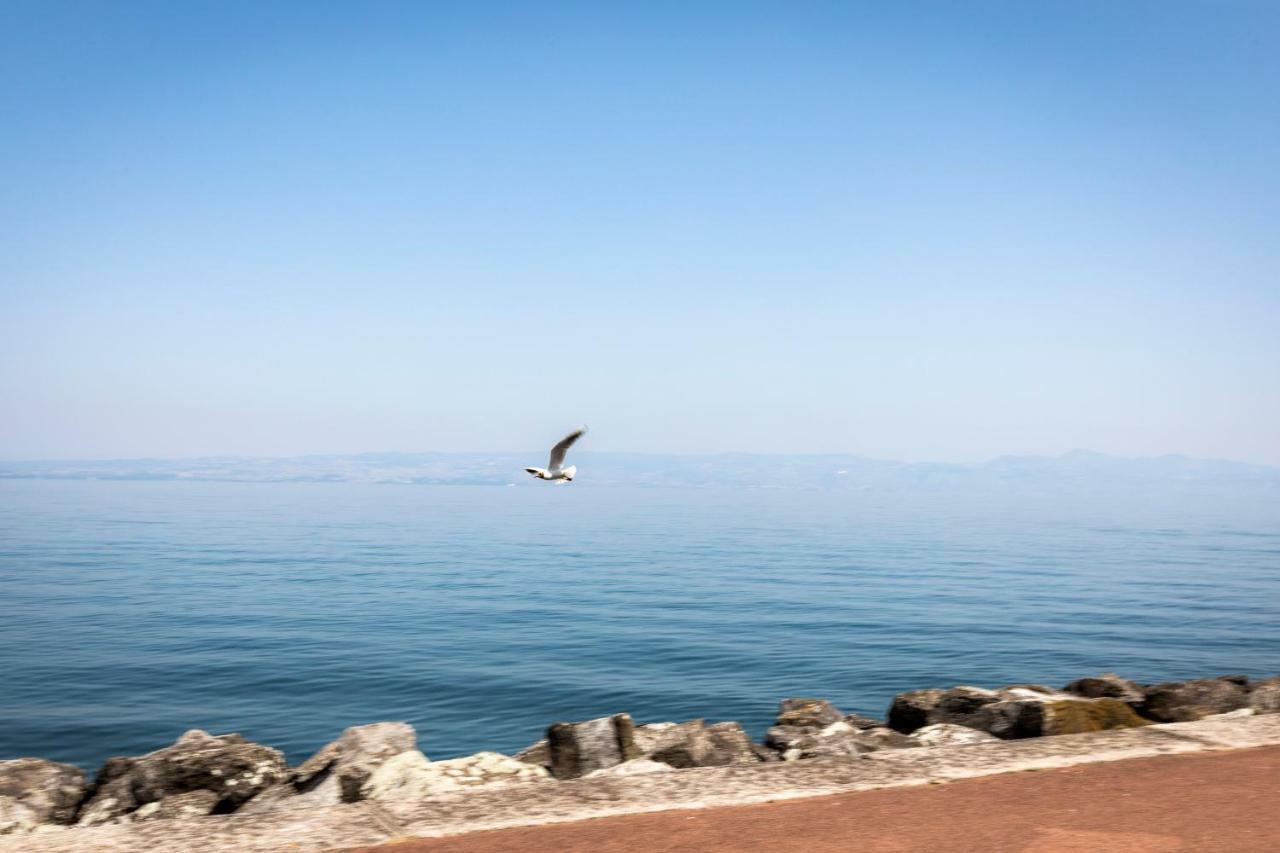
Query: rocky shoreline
380,765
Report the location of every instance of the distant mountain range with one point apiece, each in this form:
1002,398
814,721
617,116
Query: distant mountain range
727,469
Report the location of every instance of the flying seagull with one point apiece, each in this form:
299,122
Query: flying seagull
555,470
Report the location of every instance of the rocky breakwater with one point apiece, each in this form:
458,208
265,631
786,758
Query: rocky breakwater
203,774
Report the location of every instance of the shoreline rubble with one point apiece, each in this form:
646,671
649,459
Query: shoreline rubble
224,777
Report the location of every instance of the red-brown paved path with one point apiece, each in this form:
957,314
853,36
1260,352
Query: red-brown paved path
1218,801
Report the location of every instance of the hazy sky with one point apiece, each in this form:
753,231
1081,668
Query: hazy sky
909,230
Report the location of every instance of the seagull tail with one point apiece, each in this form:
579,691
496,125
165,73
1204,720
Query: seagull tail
571,472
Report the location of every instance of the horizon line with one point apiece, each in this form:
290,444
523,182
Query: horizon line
1083,452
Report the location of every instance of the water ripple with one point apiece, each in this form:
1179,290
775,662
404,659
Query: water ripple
289,611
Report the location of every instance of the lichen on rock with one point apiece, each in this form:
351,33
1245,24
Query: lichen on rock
230,767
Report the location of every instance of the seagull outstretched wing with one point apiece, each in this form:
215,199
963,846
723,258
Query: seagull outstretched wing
562,447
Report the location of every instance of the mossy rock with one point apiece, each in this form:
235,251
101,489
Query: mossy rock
1070,716
1039,717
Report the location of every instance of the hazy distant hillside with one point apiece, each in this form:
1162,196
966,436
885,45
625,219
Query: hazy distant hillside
730,469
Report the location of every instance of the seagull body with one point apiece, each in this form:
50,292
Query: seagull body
555,470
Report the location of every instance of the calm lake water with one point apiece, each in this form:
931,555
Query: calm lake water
133,611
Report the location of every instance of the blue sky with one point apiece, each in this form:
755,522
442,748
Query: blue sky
918,230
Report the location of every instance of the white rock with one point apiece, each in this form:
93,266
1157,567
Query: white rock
16,818
635,767
1028,693
411,776
949,734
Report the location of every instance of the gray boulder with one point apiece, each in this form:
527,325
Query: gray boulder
695,744
807,713
190,804
958,706
1109,686
962,705
794,743
336,773
111,794
676,744
912,710
34,792
339,770
731,745
1265,697
227,765
838,740
577,749
858,721
818,714
1183,701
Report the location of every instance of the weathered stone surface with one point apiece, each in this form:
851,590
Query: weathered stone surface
949,734
340,768
1239,712
793,743
635,767
1023,718
35,792
1109,686
338,771
410,776
858,721
581,748
1017,711
489,768
190,804
731,745
676,744
838,740
326,828
961,705
1265,697
1227,730
807,713
538,753
883,737
1180,701
228,765
695,744
910,711
111,794
16,818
